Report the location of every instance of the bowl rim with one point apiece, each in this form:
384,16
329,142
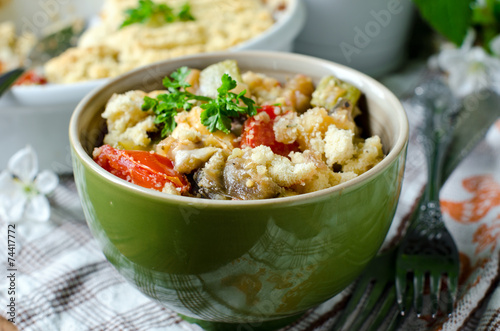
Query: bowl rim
399,145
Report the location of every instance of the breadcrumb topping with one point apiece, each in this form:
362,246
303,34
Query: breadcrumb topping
105,50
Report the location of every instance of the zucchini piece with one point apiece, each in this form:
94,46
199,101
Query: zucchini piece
330,89
211,77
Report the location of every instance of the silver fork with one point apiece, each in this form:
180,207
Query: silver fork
49,46
377,283
373,302
428,249
374,291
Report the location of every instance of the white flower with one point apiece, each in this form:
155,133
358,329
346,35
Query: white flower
495,45
22,191
470,69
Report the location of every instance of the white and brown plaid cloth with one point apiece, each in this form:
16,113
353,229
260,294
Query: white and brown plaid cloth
64,282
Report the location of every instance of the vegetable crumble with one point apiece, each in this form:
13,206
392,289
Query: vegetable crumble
219,134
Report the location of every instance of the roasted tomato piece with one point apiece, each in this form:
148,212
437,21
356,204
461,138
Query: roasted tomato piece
258,130
146,169
30,77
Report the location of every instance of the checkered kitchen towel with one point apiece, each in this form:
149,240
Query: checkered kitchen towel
63,281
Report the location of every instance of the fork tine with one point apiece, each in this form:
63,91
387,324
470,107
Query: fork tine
356,296
407,303
397,318
371,301
385,309
435,287
448,300
395,322
418,287
451,284
401,289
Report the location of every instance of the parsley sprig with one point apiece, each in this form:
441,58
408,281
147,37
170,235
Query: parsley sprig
166,106
158,14
216,114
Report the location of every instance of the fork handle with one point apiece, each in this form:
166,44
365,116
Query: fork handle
435,141
8,78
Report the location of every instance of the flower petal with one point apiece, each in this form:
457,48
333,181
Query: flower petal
12,198
469,39
470,69
495,45
12,208
477,54
450,58
24,164
46,181
8,185
37,209
495,81
462,88
460,83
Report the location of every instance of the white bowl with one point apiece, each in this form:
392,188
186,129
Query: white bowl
370,36
39,115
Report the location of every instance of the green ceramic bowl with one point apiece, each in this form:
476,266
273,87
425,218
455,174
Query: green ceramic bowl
241,261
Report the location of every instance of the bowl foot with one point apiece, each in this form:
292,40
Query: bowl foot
253,326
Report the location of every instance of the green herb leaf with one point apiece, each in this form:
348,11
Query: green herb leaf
157,14
185,13
213,118
451,18
251,109
178,79
166,106
149,103
166,117
216,114
227,84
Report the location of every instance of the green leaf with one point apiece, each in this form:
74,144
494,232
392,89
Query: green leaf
252,111
212,118
451,18
156,14
185,13
149,103
165,106
201,98
227,84
180,75
224,124
164,11
210,121
216,114
165,117
178,79
141,14
496,11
